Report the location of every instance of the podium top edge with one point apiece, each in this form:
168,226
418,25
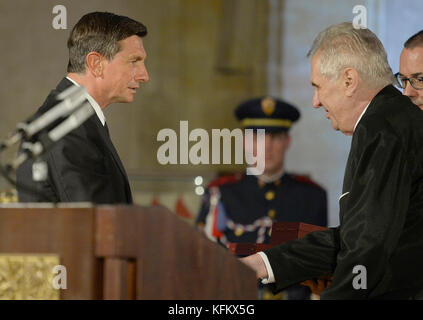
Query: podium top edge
43,205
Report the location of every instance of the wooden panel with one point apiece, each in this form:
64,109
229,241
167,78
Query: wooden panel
115,231
175,261
144,253
115,279
287,231
119,279
281,232
246,249
68,233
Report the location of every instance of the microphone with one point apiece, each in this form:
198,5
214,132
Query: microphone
71,99
47,140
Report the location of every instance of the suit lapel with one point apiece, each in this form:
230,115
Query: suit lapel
63,85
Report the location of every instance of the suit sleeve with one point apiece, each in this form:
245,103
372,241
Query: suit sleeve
321,209
305,258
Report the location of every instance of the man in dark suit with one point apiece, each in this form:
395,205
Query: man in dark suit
376,252
107,57
241,208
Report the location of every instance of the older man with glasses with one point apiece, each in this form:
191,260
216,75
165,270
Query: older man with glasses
410,77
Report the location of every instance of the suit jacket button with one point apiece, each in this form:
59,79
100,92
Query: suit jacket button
270,195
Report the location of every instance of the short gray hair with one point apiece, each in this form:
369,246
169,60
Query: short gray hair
341,46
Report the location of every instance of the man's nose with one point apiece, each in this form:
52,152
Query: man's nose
142,74
316,101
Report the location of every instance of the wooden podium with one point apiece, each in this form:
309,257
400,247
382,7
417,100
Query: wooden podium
114,252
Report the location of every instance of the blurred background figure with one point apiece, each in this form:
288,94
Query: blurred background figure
240,208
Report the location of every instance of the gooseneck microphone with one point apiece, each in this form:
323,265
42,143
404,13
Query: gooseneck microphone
38,135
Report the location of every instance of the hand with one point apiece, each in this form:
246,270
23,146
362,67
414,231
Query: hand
318,285
256,263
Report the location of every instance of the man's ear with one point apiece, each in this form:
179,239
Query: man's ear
95,64
350,81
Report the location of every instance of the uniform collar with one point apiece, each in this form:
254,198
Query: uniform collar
272,178
267,180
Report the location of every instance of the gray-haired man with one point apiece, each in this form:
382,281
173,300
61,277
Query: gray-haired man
376,250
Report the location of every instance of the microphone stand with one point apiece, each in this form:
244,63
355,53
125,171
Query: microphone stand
36,140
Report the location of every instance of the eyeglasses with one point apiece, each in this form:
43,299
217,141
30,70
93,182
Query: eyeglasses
415,82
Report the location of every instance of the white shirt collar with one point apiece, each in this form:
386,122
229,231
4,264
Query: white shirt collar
361,115
93,103
272,178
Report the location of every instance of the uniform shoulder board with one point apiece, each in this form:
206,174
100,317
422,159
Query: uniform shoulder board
226,179
305,179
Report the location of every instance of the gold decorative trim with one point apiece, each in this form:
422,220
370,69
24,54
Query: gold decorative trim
8,196
28,277
266,122
268,105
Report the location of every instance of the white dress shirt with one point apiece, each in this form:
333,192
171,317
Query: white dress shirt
361,115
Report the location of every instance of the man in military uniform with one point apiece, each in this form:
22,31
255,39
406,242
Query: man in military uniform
241,208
